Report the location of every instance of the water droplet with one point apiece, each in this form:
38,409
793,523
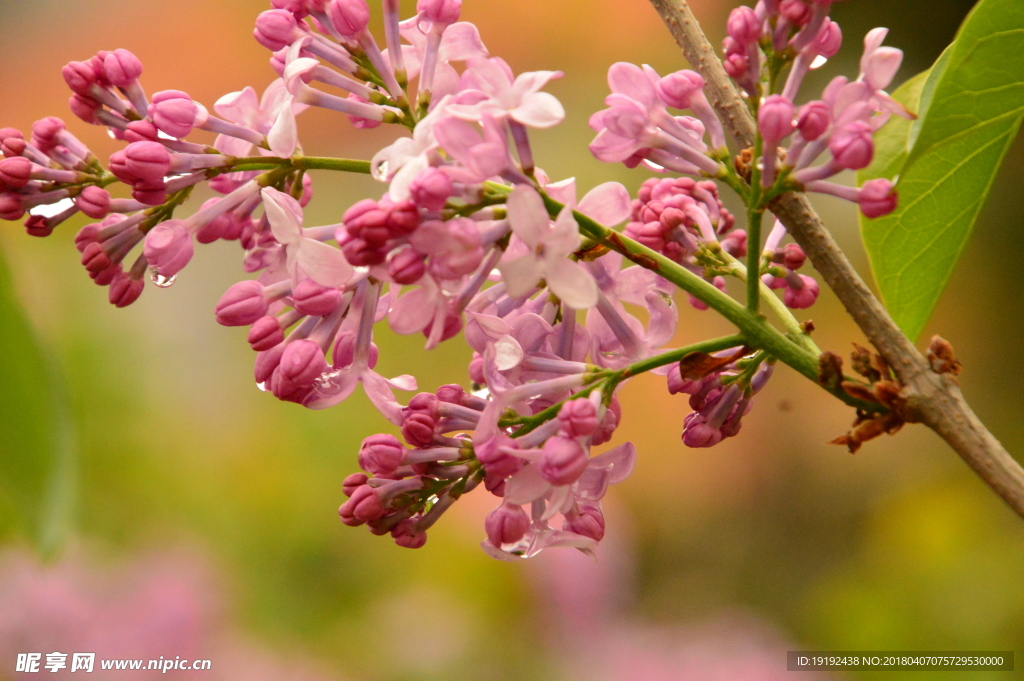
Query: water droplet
262,386
160,280
819,61
382,169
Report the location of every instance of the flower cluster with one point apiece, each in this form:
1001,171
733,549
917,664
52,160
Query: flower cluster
468,237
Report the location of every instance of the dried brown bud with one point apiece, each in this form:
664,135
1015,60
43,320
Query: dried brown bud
807,327
697,365
858,391
860,360
830,370
941,357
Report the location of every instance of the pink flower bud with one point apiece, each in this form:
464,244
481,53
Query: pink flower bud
265,333
118,166
589,522
89,235
242,304
878,198
802,298
699,434
736,65
829,40
359,253
315,300
174,113
364,504
45,132
302,363
266,363
563,461
147,160
122,68
149,192
794,256
84,108
796,12
425,403
345,352
506,524
612,418
124,290
815,118
94,202
168,247
353,482
445,12
350,17
94,259
407,266
578,418
853,146
407,536
418,429
10,207
403,218
775,119
431,189
80,77
39,226
744,26
15,172
275,29
452,393
677,89
381,454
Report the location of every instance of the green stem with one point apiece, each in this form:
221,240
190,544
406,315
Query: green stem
347,165
673,356
754,219
755,329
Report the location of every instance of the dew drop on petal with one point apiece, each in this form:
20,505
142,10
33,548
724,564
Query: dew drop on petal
819,61
262,386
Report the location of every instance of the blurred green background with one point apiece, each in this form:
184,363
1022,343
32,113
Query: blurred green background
166,445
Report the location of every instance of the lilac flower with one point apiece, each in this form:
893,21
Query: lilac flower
550,245
322,263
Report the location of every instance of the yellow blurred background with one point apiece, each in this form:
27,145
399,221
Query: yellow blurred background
768,542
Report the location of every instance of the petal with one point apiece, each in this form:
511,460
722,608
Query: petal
526,486
630,80
283,137
232,146
295,70
527,215
492,78
560,502
323,264
563,191
564,237
539,110
335,391
238,107
882,67
412,312
379,393
619,462
533,81
571,283
663,317
398,190
284,214
522,275
461,42
608,203
508,354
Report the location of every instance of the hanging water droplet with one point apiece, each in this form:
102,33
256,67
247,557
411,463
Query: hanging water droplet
382,169
262,386
160,280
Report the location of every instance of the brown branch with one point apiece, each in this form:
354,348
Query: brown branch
932,399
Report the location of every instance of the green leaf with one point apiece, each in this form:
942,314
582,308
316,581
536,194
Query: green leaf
38,456
892,146
975,111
